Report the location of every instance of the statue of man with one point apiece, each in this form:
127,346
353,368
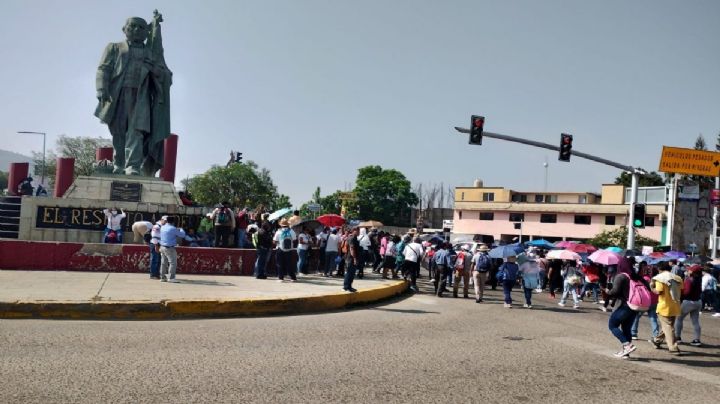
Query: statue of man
133,90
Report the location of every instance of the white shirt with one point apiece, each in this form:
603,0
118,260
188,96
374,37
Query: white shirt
413,252
390,249
113,221
322,239
276,238
303,238
706,279
332,243
155,233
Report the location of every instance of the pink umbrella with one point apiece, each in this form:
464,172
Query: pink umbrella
605,257
563,255
582,248
564,244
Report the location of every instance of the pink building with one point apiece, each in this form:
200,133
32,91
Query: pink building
497,214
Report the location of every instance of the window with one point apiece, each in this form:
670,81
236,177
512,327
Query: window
582,199
538,198
548,218
610,220
649,221
582,219
487,216
462,196
550,198
517,217
519,198
460,214
488,196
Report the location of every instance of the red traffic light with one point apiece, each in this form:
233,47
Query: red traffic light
479,122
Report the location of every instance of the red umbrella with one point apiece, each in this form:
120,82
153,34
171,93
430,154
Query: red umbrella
581,248
331,220
564,244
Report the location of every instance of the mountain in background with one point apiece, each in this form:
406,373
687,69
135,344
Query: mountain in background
7,157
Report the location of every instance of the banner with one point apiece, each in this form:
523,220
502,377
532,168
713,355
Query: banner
54,217
688,191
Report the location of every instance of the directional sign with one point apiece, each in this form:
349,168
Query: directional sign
314,207
689,161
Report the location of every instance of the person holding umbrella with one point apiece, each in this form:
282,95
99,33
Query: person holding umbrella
507,274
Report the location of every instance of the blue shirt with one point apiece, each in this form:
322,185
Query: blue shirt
443,257
169,235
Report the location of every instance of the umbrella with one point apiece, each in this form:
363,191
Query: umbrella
605,257
656,260
563,255
540,243
564,244
504,251
698,259
370,223
581,248
615,249
331,220
310,224
676,254
656,254
278,214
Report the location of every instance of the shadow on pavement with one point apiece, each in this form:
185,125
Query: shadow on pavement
406,311
205,283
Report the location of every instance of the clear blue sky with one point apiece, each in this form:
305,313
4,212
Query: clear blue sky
314,90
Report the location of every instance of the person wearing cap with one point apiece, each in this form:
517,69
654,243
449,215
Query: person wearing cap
691,303
284,239
168,241
667,286
150,233
481,264
463,266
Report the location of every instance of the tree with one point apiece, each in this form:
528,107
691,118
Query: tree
618,237
328,204
651,179
704,182
239,184
383,195
3,180
81,148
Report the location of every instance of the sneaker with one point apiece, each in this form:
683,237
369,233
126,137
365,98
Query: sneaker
627,349
696,342
526,306
654,343
173,280
293,280
281,280
163,280
561,304
529,306
634,337
576,306
601,301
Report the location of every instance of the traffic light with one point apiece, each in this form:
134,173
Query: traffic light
639,216
565,147
476,129
238,157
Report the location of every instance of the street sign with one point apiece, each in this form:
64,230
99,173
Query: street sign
314,207
447,224
678,160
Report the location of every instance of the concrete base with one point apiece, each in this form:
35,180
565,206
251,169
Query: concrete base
154,190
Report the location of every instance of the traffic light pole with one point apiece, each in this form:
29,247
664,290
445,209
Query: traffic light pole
632,170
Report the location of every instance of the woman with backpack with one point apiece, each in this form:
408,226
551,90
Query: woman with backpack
691,303
507,274
622,319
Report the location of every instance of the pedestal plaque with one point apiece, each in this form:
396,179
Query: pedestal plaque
125,191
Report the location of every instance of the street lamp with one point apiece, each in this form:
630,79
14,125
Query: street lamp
42,180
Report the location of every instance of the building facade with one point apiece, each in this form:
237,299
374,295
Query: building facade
497,214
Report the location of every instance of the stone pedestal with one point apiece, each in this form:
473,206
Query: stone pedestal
152,190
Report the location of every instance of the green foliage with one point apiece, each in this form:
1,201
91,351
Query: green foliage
329,204
80,147
704,182
383,195
3,180
618,237
240,184
652,179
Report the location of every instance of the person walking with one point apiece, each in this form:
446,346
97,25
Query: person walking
303,247
691,303
668,288
443,263
283,239
168,241
622,318
481,267
507,275
571,279
530,274
463,267
413,253
592,277
332,245
709,294
390,253
648,274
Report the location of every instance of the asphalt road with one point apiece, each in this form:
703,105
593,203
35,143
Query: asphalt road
413,349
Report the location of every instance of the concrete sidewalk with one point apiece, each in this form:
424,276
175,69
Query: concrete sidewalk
123,296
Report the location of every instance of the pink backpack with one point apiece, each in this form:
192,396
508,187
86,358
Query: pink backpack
639,297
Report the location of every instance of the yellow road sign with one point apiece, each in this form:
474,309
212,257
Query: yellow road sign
689,161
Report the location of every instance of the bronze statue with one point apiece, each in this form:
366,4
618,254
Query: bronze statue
133,90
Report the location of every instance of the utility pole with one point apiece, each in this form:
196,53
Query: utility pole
636,172
713,237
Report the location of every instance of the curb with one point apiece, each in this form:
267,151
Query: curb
181,309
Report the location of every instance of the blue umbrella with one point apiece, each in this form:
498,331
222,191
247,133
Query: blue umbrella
540,243
504,251
615,249
278,214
